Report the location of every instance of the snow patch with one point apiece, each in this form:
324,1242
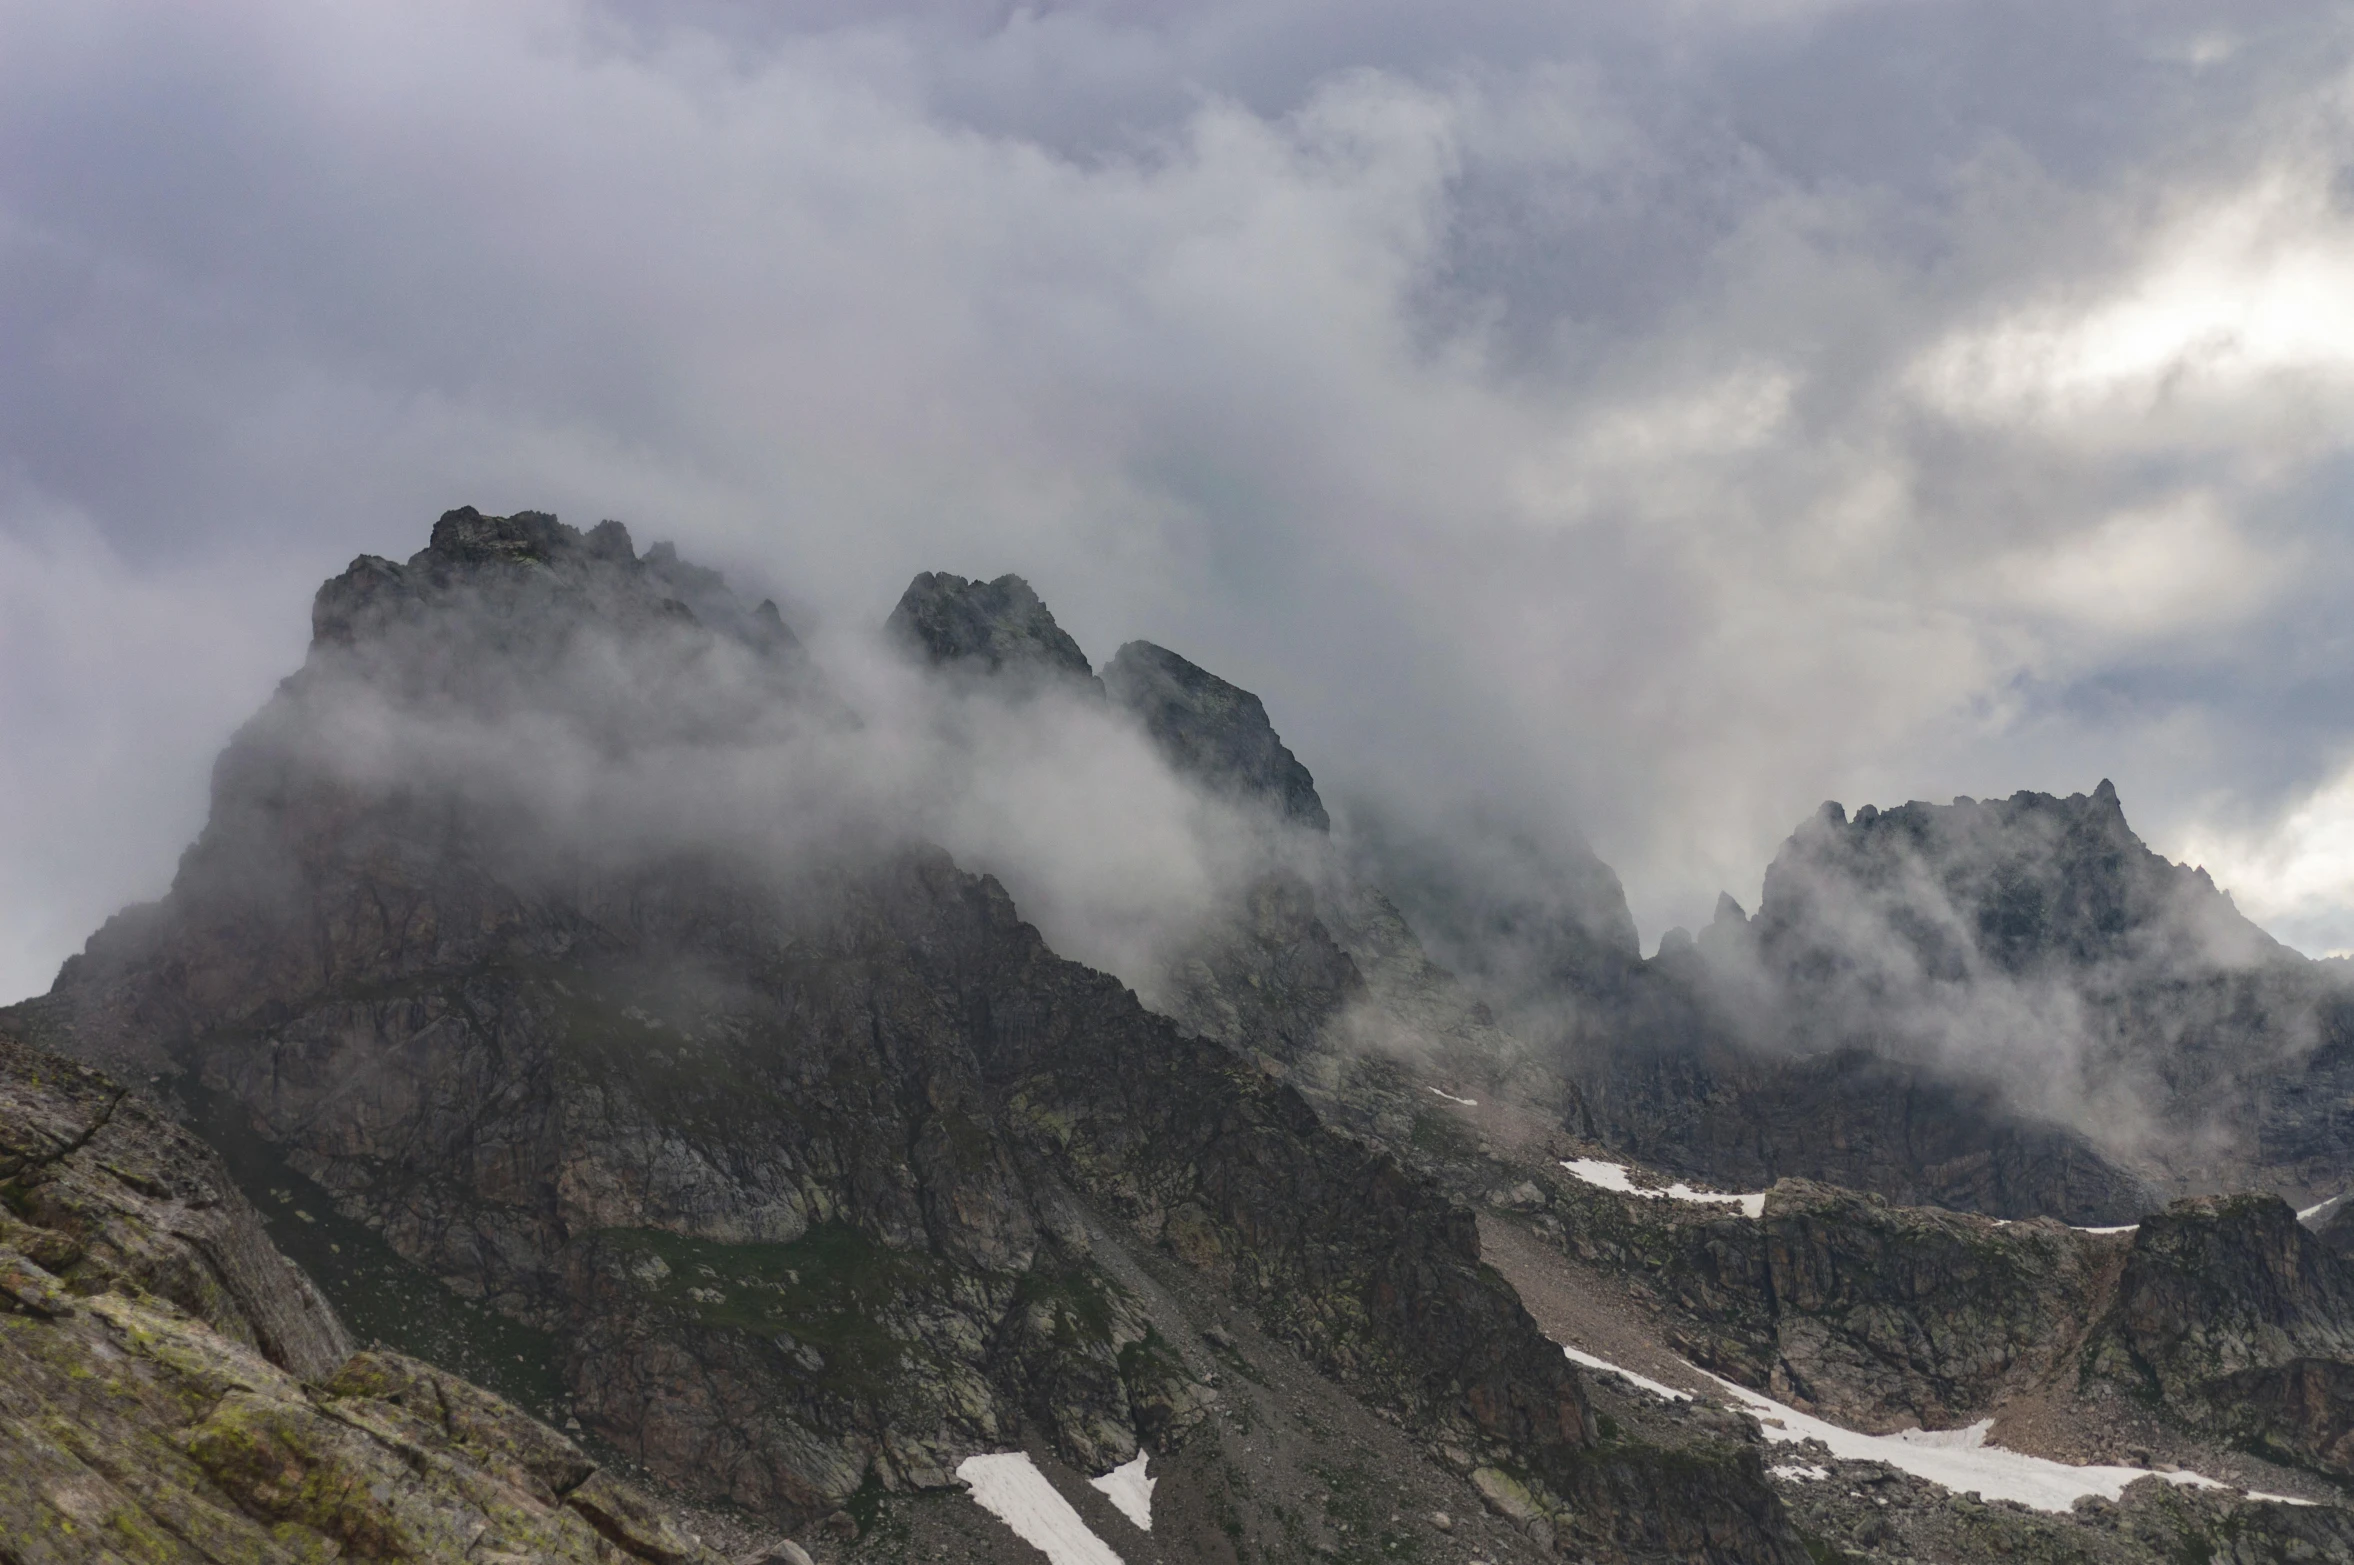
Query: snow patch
1469,1103
2317,1208
1665,1393
1129,1490
1613,1176
1959,1459
1802,1471
1010,1487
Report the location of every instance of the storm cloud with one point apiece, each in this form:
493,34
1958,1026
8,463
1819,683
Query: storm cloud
1636,421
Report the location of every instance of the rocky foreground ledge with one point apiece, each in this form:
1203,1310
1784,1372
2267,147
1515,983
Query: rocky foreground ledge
172,1389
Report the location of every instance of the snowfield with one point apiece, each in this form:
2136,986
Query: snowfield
1129,1490
1010,1487
1956,1459
1613,1176
1664,1393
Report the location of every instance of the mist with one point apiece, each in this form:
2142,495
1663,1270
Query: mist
2032,946
1631,426
564,730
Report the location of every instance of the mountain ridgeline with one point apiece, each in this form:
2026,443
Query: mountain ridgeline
562,938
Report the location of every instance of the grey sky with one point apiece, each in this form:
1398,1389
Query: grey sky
1650,419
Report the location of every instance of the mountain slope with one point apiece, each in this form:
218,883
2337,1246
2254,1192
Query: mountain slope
172,1389
822,1170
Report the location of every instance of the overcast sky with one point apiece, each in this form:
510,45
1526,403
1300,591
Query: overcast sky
1647,419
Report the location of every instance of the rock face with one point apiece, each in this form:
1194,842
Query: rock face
1270,976
1212,731
2243,1322
172,1389
809,1169
98,1190
1689,1097
131,1430
995,627
1876,1316
818,1162
2222,1312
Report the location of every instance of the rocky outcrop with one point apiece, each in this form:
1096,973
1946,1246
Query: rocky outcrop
1867,1510
2243,1322
2224,1312
1876,1316
2024,884
99,1191
131,1430
2009,1006
1269,977
1212,731
173,1389
996,627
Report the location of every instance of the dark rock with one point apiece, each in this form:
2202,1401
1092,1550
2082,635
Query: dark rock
1997,937
999,627
784,1552
1269,977
1212,731
2334,1226
1872,1315
2243,1322
100,1190
1663,1082
142,1422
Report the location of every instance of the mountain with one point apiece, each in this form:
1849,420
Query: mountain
1213,731
570,979
998,627
521,942
2030,955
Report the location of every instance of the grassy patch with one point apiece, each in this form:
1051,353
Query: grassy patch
381,1297
835,1290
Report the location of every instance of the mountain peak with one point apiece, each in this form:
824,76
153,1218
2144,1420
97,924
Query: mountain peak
988,627
2026,880
466,535
1215,731
528,580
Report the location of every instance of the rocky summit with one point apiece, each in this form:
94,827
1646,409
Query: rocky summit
1212,730
990,627
2052,1018
569,1105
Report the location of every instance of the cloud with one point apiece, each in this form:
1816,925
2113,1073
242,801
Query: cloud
1642,422
2291,871
116,690
568,730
